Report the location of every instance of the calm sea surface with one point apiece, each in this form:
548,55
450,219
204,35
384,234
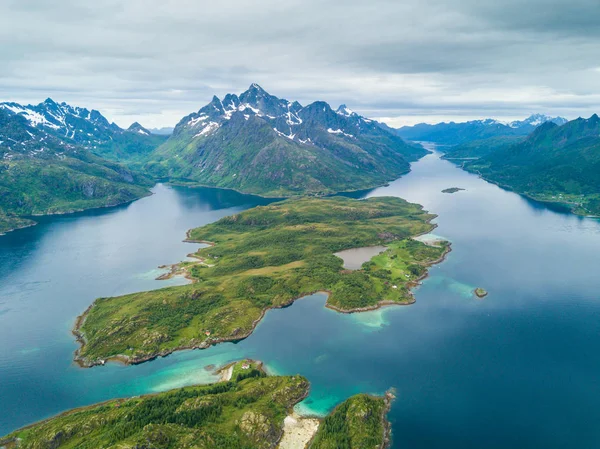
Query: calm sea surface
520,368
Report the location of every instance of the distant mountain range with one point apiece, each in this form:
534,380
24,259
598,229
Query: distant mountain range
554,163
166,131
89,129
47,166
259,143
457,133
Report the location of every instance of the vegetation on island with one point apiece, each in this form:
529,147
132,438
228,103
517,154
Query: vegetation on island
263,258
357,423
246,412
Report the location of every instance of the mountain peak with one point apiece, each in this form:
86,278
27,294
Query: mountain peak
137,128
255,86
345,111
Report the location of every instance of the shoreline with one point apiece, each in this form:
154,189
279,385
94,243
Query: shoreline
69,212
297,428
283,198
570,208
126,360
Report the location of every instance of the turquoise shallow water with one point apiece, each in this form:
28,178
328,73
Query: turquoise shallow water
517,369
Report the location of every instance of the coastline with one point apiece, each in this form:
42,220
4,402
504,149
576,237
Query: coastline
126,360
297,430
292,195
68,212
30,224
572,208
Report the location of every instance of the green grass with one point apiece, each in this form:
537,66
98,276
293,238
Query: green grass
263,258
357,423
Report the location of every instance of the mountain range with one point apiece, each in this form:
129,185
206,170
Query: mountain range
458,133
258,143
88,129
46,166
58,158
554,163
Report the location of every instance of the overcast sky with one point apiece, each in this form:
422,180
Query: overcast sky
407,61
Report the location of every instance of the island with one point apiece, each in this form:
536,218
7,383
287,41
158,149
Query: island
250,410
452,190
480,292
265,258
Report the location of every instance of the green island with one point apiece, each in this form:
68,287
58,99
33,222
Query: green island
247,412
260,259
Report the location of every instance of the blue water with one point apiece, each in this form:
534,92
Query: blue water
516,369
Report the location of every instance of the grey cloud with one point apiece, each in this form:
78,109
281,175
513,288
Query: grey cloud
155,61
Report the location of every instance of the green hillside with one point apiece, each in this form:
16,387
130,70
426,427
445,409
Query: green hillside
555,163
43,174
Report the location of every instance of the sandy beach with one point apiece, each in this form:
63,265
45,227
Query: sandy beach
298,431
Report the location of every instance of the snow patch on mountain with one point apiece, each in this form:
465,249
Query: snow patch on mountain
208,129
339,131
288,136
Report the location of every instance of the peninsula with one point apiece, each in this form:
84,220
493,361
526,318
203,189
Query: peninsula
250,411
260,259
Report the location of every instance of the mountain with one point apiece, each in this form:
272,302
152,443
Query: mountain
479,148
139,129
165,131
457,133
258,143
41,173
88,129
535,120
554,163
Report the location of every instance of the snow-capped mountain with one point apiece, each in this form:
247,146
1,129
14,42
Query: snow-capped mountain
457,133
86,128
139,129
536,120
300,148
44,173
78,124
288,119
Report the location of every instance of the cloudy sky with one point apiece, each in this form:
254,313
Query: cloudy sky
405,61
